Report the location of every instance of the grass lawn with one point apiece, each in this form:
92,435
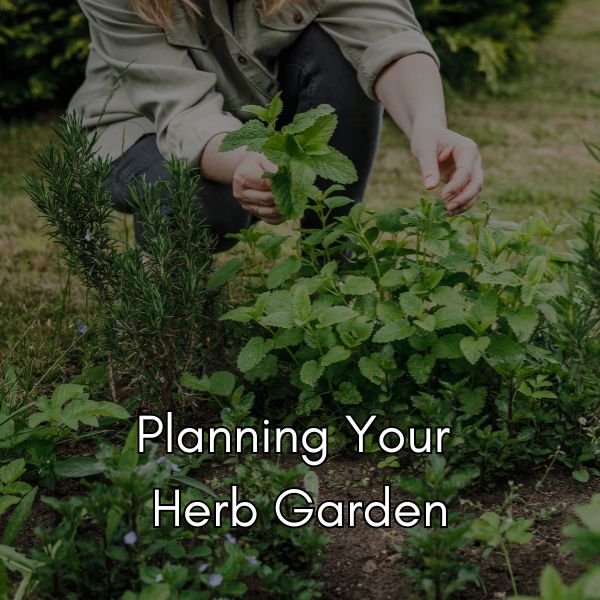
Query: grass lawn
531,136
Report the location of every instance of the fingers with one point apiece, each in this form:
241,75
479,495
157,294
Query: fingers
467,161
259,198
428,161
468,197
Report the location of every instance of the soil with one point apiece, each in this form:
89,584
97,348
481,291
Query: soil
364,563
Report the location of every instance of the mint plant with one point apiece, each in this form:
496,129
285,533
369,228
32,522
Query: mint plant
300,150
435,569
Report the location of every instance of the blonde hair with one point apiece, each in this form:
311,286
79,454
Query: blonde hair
159,12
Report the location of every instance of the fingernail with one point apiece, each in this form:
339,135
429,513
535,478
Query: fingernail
430,181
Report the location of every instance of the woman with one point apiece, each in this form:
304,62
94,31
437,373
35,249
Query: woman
169,77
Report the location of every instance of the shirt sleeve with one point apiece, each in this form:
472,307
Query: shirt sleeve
160,80
373,34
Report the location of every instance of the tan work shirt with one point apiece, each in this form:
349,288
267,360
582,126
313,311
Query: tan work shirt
189,84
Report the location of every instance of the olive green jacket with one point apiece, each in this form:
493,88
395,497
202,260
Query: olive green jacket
189,84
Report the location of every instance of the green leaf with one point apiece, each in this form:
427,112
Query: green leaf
392,279
239,315
448,347
394,332
449,316
281,319
581,475
347,394
536,270
411,304
370,369
485,309
282,271
12,471
523,321
336,314
420,367
311,372
287,204
551,585
158,591
6,502
473,348
311,484
18,517
316,138
222,383
190,381
252,135
504,350
253,353
223,274
67,391
308,403
337,354
358,286
129,454
78,467
336,167
304,121
302,179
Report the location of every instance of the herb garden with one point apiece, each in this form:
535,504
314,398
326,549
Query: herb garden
401,352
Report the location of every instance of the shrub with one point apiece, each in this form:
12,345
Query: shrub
479,42
43,46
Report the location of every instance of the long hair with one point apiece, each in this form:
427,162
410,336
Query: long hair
159,12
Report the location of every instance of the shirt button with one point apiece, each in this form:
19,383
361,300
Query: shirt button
242,60
298,18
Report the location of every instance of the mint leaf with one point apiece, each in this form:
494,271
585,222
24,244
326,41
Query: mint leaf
304,121
336,167
253,135
253,353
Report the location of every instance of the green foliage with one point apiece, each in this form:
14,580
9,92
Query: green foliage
499,530
106,543
479,42
435,569
154,303
300,150
42,51
428,310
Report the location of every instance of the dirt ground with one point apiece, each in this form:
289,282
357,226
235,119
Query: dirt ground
363,563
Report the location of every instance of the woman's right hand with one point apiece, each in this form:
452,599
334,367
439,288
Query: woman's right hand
252,191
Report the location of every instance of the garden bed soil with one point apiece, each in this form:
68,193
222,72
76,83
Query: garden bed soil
364,564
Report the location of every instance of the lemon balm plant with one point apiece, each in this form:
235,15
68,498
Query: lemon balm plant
424,302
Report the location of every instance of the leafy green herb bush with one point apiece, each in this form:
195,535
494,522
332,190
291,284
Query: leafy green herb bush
431,320
155,308
105,545
433,553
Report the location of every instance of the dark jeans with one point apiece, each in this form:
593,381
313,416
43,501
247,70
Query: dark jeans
313,71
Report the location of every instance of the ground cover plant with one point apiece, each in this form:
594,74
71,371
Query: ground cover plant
549,446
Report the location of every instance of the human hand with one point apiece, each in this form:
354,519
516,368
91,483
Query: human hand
252,191
446,156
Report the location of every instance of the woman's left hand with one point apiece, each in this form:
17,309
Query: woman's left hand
446,156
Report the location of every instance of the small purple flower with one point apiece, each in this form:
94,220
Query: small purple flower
203,568
215,580
230,538
130,538
88,236
81,327
163,459
252,560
